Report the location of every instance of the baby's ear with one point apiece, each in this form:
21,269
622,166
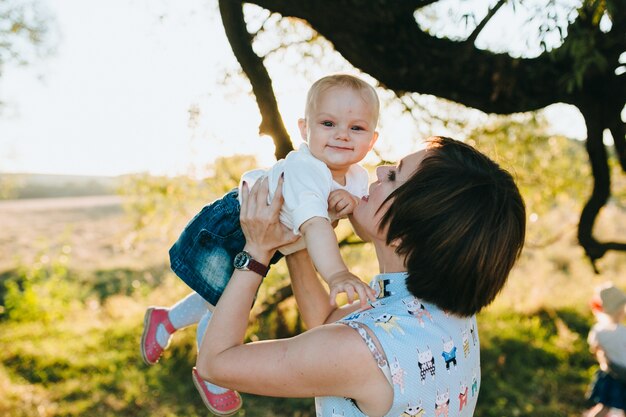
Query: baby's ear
395,244
374,139
302,125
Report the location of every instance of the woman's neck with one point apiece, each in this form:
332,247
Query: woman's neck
388,260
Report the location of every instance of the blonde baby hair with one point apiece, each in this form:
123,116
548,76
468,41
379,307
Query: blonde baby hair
342,80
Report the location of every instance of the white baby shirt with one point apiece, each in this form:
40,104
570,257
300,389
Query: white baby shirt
307,185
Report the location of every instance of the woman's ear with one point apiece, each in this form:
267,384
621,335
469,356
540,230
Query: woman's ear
303,127
395,244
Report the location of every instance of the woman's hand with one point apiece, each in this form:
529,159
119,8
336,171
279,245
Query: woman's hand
260,221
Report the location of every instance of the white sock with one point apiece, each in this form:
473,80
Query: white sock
162,336
202,325
184,313
188,311
214,388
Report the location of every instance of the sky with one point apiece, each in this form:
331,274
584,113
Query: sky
116,94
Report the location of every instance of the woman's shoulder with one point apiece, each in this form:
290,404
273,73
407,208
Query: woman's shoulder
398,321
440,351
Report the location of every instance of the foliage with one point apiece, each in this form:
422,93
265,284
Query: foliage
225,172
550,170
22,30
39,292
581,47
153,202
158,204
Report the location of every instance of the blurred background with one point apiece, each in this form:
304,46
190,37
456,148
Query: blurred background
119,120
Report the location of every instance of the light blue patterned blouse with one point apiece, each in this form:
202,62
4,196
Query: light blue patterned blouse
431,358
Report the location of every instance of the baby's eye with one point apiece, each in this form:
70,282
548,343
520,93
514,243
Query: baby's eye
391,175
357,128
327,123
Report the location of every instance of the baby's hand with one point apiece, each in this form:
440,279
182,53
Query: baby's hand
344,281
340,204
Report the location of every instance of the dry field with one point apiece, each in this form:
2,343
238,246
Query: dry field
94,228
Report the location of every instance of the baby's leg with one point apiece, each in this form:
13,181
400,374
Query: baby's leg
184,313
161,322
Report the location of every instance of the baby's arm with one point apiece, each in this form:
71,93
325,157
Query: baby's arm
322,245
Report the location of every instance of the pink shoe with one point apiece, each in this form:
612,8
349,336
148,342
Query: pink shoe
150,349
224,404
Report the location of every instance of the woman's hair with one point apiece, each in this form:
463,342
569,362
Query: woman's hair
460,221
368,93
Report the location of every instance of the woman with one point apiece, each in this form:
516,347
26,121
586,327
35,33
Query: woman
447,225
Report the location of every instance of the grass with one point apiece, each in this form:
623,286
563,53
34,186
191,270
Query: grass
534,364
86,363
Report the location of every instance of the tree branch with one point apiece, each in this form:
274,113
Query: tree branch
287,45
418,4
618,131
458,71
472,38
241,43
601,183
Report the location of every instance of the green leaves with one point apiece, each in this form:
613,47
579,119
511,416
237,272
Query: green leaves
549,169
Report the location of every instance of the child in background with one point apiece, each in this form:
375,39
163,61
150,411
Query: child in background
322,183
607,340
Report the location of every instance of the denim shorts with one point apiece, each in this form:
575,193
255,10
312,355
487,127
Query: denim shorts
203,254
608,391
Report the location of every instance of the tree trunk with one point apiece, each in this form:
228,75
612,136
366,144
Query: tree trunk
382,38
241,43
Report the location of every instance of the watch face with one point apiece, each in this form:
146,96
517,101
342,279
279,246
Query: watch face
241,260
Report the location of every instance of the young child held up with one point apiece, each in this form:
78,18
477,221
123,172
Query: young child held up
607,340
322,182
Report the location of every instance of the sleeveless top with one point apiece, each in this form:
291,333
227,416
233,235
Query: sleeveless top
430,357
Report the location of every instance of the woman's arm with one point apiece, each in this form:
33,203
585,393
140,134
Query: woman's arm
311,295
329,360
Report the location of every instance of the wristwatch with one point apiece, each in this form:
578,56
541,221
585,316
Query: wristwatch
245,262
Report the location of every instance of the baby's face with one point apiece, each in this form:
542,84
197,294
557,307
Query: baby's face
340,129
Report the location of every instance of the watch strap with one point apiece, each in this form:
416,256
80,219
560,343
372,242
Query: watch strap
245,262
258,267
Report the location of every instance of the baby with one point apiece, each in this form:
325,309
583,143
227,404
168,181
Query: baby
322,183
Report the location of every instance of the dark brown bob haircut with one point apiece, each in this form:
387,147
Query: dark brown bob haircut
461,222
